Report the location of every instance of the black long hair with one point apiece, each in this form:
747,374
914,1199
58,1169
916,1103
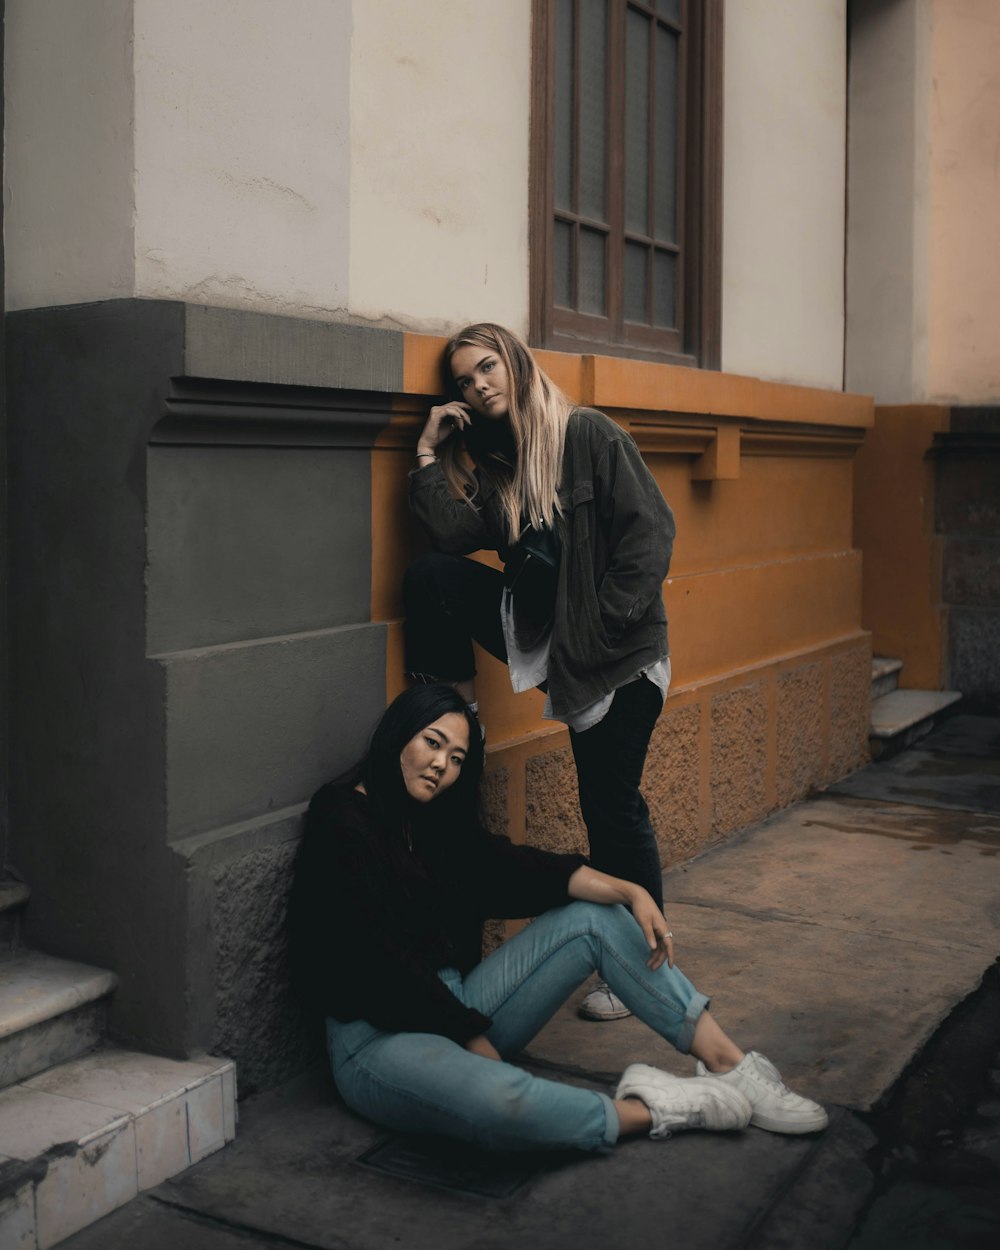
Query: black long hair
447,826
382,777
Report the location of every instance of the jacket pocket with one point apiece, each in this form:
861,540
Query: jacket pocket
584,617
577,506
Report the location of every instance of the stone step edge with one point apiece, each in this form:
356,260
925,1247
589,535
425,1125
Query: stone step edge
895,713
13,894
112,1157
37,988
885,675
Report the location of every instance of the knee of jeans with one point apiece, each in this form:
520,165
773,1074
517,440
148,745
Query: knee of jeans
603,919
425,568
593,918
492,1104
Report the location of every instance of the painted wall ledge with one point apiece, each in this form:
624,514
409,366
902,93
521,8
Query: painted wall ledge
256,377
715,418
615,382
235,345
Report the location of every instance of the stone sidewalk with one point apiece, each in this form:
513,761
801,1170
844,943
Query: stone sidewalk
835,937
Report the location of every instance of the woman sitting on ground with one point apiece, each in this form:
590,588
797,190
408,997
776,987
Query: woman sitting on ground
393,882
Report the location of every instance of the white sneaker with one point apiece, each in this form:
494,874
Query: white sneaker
775,1107
677,1103
602,1004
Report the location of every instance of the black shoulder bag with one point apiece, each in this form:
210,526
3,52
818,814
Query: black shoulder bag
531,575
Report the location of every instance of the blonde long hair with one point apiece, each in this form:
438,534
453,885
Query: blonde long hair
538,413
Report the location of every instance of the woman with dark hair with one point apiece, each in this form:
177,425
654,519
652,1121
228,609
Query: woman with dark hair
507,464
394,879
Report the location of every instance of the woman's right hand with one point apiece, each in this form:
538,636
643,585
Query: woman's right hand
442,421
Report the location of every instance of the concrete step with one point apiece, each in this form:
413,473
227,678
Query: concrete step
88,1136
885,675
51,1010
903,717
13,896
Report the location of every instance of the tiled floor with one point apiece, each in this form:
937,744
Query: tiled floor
106,1127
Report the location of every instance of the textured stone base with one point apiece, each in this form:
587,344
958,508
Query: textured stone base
723,755
240,879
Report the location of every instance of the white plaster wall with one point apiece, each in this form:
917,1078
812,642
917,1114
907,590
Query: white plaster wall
783,190
68,159
439,163
242,153
888,200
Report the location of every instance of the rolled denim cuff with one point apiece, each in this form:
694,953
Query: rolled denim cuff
612,1124
696,1006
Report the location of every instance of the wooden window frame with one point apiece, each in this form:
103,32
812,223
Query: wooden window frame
697,341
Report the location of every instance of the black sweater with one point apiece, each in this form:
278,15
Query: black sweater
369,933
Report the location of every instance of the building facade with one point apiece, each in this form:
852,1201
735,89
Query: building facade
236,233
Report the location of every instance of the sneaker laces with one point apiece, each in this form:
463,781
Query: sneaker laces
676,1120
686,1110
768,1073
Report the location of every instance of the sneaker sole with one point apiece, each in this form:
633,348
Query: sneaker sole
586,1014
814,1125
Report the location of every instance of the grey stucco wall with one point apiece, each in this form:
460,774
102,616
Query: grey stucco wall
191,645
967,508
87,712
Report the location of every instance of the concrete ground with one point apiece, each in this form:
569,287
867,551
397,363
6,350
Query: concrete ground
836,937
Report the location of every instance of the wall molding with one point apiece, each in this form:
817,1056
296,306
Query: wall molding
204,411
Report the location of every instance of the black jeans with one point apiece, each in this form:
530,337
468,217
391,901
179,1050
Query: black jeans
449,601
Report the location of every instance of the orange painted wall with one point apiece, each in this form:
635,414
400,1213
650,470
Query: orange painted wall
763,564
894,527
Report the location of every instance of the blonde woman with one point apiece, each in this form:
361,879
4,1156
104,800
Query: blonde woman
507,464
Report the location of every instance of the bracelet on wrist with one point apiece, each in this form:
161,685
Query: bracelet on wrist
426,455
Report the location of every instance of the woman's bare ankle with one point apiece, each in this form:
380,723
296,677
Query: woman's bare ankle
633,1116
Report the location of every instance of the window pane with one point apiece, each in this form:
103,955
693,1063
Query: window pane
636,293
670,9
665,184
665,290
562,264
591,273
637,123
593,108
564,105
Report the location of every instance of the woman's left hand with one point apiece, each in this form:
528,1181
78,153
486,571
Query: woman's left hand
653,924
597,887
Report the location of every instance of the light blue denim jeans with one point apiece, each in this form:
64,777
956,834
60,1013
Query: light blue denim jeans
425,1083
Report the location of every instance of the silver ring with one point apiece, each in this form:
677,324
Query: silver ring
668,934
